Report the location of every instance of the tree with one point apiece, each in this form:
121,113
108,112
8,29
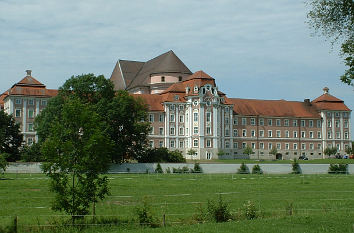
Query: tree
350,150
273,151
3,162
10,137
248,150
124,116
330,151
191,152
335,19
77,151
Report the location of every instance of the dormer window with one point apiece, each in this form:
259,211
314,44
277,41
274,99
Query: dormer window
176,97
162,79
195,89
208,88
180,78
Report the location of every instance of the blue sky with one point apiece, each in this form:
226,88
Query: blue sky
254,49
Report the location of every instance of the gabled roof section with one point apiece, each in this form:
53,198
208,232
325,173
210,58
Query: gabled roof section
275,108
29,81
154,102
327,98
329,102
200,75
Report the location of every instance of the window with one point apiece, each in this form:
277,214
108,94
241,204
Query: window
287,146
195,130
30,113
295,146
278,146
18,113
329,135
151,130
235,145
295,134
261,121
208,155
227,109
319,134
235,133
181,118
261,145
270,146
261,133
346,135
311,134
162,79
287,133
208,116
161,118
179,78
270,122
303,146
151,117
244,133
172,131
319,124
311,146
160,131
303,134
244,145
345,123
227,132
208,130
44,102
278,134
277,122
338,135
235,121
226,120
329,123
303,123
338,147
286,122
319,146
311,123
270,133
172,117
195,89
345,114
253,145
181,144
172,143
337,123
18,101
208,143
337,114
195,143
295,123
244,121
329,114
253,121
172,107
195,116
29,141
181,131
30,102
181,107
30,127
253,133
151,143
227,144
160,144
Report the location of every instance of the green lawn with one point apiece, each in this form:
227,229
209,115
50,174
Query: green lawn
321,203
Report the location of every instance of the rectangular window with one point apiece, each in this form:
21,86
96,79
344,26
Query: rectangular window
244,145
303,123
329,123
161,118
235,120
172,117
195,143
30,113
338,135
18,113
30,102
18,101
151,130
337,123
278,134
160,131
277,122
261,121
235,133
261,133
329,135
253,145
346,135
244,133
270,146
181,107
253,133
319,146
44,102
337,114
295,123
303,146
345,123
310,123
270,133
278,146
29,141
253,121
181,118
319,134
235,145
270,122
181,144
172,131
195,129
287,146
208,116
286,122
151,117
261,145
319,124
295,146
287,135
30,127
311,134
160,144
172,143
208,143
195,116
295,134
244,121
227,144
227,132
329,114
303,134
208,130
151,144
181,131
311,146
227,120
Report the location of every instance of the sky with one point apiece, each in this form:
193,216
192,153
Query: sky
254,49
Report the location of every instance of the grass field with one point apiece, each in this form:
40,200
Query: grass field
321,203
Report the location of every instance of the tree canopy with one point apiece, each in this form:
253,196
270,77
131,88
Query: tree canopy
335,19
10,137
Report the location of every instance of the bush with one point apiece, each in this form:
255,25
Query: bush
257,169
296,169
184,169
145,215
197,168
3,162
219,211
161,155
168,170
338,169
158,168
250,210
243,169
32,153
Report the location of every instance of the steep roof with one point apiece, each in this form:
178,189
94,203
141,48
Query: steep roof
329,102
276,108
136,73
154,102
29,81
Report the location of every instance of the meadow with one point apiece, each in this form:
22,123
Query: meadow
284,203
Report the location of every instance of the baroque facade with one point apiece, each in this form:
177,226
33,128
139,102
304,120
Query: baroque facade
187,111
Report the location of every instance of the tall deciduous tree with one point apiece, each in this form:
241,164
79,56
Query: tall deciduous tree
77,150
248,150
10,137
335,19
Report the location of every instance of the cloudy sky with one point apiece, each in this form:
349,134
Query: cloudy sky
254,49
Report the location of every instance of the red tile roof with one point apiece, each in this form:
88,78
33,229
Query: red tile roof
29,81
329,102
153,101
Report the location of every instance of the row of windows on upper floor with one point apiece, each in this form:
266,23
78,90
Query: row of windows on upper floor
337,114
30,113
337,123
30,102
278,133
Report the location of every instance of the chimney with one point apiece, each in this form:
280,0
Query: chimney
28,72
326,90
307,102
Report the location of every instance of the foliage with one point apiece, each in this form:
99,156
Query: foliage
197,168
330,151
250,210
219,211
221,153
123,115
248,150
335,19
32,153
161,155
3,162
243,169
296,169
184,169
10,136
191,152
158,168
77,152
273,151
257,169
145,215
338,169
350,150
168,170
